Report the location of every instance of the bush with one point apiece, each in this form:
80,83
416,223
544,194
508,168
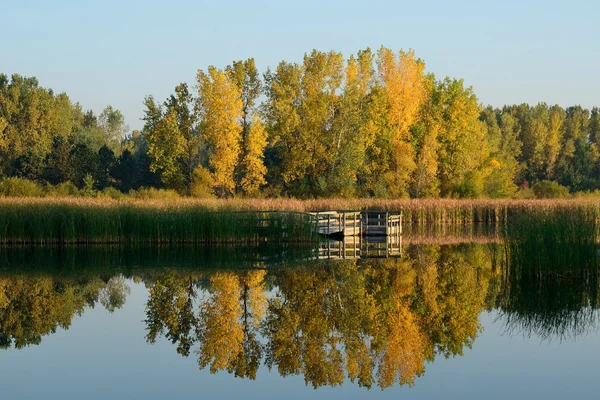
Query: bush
110,193
154,194
202,184
595,194
19,187
65,189
471,187
550,190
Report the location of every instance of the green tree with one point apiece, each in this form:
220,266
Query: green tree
463,147
166,145
112,123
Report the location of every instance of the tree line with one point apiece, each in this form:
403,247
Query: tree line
375,124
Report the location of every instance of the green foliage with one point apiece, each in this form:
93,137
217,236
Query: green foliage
150,193
550,190
110,193
371,125
65,189
88,185
202,184
19,187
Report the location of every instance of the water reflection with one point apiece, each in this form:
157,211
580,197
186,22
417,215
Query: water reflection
32,306
376,322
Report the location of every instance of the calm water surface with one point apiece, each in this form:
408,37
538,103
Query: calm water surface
440,321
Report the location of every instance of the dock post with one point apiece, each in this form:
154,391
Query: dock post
328,223
387,224
400,227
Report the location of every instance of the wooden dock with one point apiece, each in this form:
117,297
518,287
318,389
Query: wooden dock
357,223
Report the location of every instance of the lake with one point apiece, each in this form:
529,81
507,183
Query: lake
431,321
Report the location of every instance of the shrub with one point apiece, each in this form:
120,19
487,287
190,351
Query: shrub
525,193
202,184
154,194
110,193
19,187
65,189
550,190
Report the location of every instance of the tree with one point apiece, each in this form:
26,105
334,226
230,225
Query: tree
114,127
220,108
504,146
106,165
182,105
283,120
166,145
351,131
253,168
406,92
127,172
579,157
82,162
245,76
58,164
463,147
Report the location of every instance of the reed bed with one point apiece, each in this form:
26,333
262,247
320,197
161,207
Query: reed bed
558,241
89,222
78,220
417,211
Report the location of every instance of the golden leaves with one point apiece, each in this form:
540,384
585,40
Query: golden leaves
253,166
220,108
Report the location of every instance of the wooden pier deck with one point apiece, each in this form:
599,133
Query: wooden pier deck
357,223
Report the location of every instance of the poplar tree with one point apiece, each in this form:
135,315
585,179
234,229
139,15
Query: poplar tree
220,107
253,166
406,92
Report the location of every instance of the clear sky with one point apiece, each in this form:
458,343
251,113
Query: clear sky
117,51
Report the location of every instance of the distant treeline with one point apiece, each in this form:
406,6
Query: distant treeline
371,125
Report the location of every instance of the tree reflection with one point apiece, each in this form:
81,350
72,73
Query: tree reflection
374,322
34,306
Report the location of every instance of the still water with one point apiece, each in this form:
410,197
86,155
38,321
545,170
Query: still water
437,322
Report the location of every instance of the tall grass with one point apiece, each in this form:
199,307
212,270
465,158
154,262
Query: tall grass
105,220
86,222
552,241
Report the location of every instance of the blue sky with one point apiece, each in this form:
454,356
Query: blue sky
116,52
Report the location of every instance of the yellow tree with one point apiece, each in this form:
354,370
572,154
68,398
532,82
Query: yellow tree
425,182
406,92
220,108
253,166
